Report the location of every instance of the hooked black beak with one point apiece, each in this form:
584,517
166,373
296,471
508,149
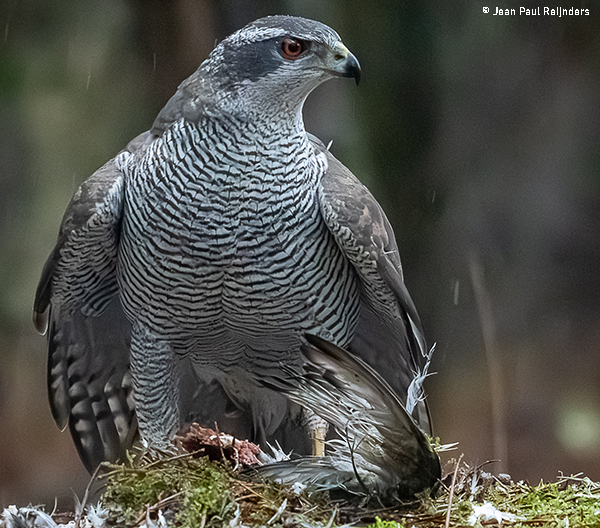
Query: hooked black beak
353,69
346,64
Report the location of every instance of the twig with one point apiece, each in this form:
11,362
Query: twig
85,496
219,441
156,506
248,488
488,330
354,468
278,513
452,492
160,461
330,523
249,496
144,469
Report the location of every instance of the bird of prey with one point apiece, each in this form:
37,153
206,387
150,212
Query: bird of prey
190,266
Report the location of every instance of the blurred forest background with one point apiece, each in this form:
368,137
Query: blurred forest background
479,135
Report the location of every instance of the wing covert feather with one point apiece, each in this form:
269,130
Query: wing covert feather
388,336
88,335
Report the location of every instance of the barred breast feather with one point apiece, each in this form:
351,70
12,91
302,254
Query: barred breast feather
224,246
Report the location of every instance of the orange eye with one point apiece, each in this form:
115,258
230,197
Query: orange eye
292,48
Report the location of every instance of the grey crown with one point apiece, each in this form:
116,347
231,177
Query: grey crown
190,266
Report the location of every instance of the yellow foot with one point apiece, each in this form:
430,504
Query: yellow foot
318,440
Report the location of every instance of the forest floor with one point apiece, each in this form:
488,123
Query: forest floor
191,492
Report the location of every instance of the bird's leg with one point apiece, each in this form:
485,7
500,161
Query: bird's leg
318,430
155,389
318,441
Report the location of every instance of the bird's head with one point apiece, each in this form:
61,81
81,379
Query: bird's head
275,62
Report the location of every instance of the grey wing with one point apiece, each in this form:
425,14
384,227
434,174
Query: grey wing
382,450
88,335
388,335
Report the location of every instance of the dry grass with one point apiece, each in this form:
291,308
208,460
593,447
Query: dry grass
184,491
194,492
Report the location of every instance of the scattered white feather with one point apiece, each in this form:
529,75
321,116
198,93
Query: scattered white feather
278,513
34,517
97,516
415,392
278,454
30,517
235,522
487,511
160,522
441,448
298,487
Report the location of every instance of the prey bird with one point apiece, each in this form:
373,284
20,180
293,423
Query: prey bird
191,265
381,452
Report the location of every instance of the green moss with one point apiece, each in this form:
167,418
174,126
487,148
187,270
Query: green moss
193,489
575,499
388,524
195,492
571,501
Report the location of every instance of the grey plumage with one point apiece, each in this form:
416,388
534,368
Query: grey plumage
197,258
381,452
